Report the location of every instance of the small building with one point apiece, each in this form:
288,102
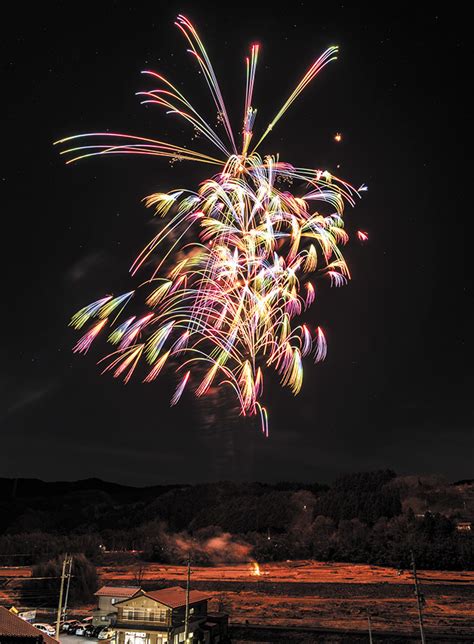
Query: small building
464,526
14,630
107,597
158,617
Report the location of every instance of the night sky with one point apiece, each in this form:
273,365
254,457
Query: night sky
396,388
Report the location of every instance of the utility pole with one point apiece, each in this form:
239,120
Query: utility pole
68,574
186,615
370,626
420,599
58,619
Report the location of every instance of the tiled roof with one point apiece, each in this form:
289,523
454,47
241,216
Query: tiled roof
13,626
117,591
175,596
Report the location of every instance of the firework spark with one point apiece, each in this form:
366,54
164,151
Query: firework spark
221,308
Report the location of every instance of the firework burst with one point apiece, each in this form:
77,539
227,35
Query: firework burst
221,309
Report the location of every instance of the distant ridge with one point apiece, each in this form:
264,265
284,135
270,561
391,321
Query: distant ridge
22,488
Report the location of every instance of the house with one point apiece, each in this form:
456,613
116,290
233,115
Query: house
14,630
107,597
158,617
464,526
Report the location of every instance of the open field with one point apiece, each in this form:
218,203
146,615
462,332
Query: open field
291,572
329,595
313,594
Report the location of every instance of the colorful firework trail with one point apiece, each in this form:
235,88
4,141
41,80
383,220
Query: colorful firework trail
225,308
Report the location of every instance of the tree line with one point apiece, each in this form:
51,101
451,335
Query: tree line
361,518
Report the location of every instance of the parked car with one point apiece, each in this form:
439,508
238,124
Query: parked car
45,628
69,624
106,634
89,631
80,629
73,624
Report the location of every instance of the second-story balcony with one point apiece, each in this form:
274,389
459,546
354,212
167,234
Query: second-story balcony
143,619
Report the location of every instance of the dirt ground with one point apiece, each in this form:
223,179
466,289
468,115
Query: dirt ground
330,595
291,571
313,594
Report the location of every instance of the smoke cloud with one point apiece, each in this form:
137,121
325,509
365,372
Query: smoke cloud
209,545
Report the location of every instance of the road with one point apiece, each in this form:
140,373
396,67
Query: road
75,639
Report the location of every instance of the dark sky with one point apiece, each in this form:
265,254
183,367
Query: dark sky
396,389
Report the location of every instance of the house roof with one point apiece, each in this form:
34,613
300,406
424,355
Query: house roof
175,596
13,626
117,591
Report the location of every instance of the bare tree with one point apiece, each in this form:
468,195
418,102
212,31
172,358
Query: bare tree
138,574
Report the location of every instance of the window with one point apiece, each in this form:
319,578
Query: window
137,638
